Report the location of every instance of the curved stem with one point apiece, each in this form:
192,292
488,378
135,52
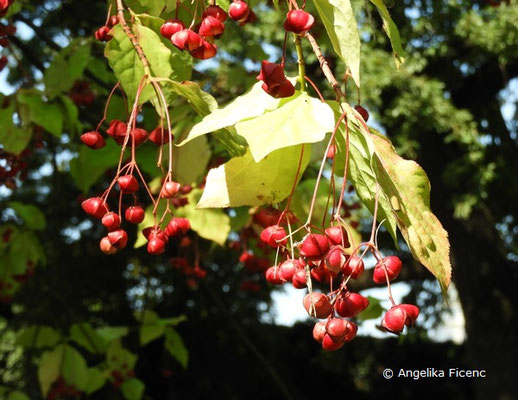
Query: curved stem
301,63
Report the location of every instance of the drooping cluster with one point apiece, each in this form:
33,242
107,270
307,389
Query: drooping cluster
103,33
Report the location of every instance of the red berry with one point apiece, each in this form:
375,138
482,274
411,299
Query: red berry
335,259
314,246
289,267
341,329
319,330
111,221
114,20
205,51
320,274
103,34
187,39
107,247
153,231
363,112
317,305
394,320
274,236
93,139
170,189
155,246
177,226
238,11
160,136
298,280
267,216
412,312
350,305
135,215
170,27
298,21
353,267
211,26
128,184
95,206
329,344
392,265
273,276
139,136
337,236
252,17
216,12
331,153
118,238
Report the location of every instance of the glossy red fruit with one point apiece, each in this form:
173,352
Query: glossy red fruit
252,17
211,26
170,189
106,246
273,276
353,267
320,274
156,246
298,21
95,206
170,27
394,319
118,238
337,235
111,221
335,259
205,51
177,226
391,264
153,231
216,12
298,280
93,139
351,304
238,11
331,152
363,112
187,39
117,128
134,215
103,34
314,246
274,236
329,344
289,267
160,136
317,305
139,136
319,330
341,329
128,184
412,312
114,20
267,216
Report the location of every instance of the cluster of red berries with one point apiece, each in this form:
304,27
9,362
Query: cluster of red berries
81,94
323,258
192,274
117,131
60,390
274,79
4,6
103,33
199,41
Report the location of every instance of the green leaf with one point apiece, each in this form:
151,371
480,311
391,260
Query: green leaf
148,333
74,368
128,67
13,139
119,358
95,380
252,104
66,68
133,389
175,346
362,173
84,335
302,200
38,336
31,215
301,119
110,333
242,181
408,188
185,170
72,115
17,395
209,223
25,251
202,102
49,368
153,7
373,311
49,116
91,164
392,32
342,29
